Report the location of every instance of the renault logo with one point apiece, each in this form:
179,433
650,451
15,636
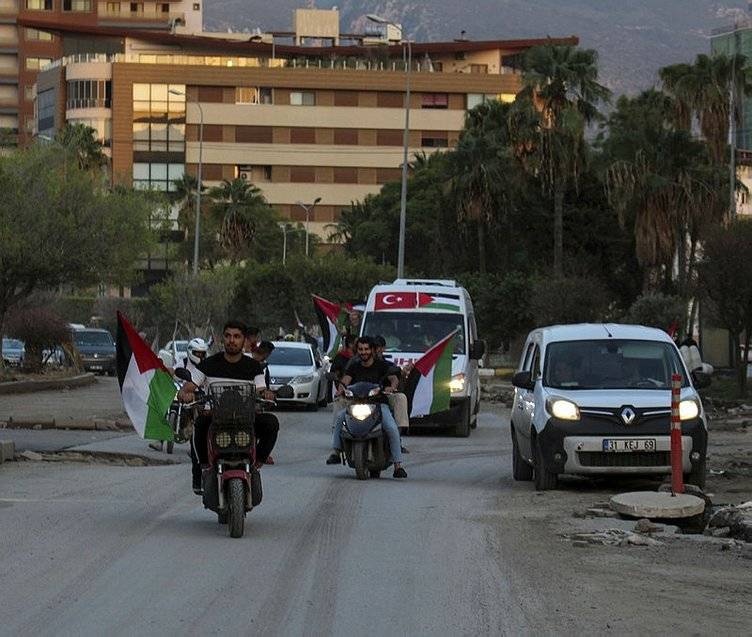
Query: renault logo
628,415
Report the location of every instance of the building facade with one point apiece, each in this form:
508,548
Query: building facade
24,50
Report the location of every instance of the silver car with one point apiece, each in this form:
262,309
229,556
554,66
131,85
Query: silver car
13,351
297,365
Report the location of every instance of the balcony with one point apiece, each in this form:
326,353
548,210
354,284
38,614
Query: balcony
90,102
149,15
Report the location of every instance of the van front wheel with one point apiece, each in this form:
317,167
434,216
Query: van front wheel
545,480
462,429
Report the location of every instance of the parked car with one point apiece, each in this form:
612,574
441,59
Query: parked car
297,365
596,399
13,351
174,353
96,348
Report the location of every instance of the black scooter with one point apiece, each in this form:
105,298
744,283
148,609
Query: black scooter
364,441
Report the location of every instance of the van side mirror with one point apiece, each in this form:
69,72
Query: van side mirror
478,350
700,380
183,374
523,380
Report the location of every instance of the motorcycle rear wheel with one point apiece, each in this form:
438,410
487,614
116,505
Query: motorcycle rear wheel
169,446
236,507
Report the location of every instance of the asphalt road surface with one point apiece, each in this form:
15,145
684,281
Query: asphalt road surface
457,549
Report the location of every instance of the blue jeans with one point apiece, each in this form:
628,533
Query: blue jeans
388,424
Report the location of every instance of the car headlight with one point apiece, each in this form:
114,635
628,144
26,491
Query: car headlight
361,411
688,409
222,439
457,384
563,409
301,380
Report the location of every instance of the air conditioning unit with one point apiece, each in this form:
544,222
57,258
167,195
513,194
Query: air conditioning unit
245,173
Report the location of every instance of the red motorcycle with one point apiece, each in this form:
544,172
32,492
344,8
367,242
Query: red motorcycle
231,483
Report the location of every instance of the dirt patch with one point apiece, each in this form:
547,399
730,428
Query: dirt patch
95,457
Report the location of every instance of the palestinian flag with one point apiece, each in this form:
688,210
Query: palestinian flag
145,384
432,302
427,385
333,319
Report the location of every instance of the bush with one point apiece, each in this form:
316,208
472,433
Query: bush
656,310
565,300
40,328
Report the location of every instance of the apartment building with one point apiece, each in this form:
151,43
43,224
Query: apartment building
25,50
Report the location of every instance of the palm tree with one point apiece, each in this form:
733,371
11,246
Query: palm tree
82,141
240,209
184,195
561,84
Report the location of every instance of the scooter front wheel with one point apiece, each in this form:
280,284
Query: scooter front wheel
236,507
359,451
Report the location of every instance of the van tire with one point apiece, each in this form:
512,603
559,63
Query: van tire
462,429
521,470
696,476
545,480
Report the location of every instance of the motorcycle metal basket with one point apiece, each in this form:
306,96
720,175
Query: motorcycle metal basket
232,404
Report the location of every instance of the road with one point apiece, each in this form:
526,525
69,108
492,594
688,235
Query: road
457,549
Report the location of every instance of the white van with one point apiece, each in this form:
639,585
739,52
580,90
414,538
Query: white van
596,399
414,314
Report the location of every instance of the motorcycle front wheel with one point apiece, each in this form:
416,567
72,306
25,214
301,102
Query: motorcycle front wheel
359,453
236,507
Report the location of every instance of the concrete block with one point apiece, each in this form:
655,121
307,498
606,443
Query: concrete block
652,504
7,450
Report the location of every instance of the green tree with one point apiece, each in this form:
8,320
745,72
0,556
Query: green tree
560,84
81,140
58,226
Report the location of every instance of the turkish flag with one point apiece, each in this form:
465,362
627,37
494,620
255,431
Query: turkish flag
396,301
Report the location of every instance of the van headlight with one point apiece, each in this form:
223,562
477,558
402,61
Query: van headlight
361,411
301,380
457,384
563,409
688,409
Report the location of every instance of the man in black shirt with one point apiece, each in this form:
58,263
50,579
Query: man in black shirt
366,368
230,364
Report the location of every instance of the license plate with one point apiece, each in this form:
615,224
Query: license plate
630,444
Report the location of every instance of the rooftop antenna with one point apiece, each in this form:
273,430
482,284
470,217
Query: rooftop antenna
605,327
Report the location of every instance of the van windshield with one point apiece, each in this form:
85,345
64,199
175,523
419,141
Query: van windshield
612,364
92,338
414,331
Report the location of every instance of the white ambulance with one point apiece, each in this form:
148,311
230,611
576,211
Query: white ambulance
414,314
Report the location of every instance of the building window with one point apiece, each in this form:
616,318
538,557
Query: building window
479,68
438,67
46,110
29,93
34,64
459,55
196,6
159,118
433,139
474,99
76,5
253,95
157,176
434,100
36,34
113,8
302,98
253,174
165,8
137,8
302,174
89,94
39,5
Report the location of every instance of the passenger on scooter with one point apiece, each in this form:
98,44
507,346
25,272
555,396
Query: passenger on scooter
397,400
260,354
229,364
367,369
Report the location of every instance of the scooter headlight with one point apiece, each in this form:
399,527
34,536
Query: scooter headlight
361,411
457,384
222,439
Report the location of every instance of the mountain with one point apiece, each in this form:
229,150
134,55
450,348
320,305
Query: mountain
633,37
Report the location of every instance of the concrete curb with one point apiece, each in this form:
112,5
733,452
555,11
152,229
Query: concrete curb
90,424
491,372
27,386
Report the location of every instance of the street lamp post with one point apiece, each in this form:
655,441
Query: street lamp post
198,176
405,143
308,210
284,242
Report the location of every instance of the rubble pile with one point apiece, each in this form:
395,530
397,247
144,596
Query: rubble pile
732,522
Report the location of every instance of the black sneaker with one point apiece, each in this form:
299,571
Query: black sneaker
197,487
404,450
399,473
334,458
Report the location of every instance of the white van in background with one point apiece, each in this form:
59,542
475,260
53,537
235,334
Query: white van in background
414,314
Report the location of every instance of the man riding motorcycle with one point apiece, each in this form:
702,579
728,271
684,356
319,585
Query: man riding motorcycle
367,368
229,364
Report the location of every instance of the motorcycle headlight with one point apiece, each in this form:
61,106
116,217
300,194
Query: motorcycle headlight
688,409
361,411
222,439
457,384
563,409
301,380
243,439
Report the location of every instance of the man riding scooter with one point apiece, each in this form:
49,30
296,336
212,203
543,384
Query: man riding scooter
367,368
229,364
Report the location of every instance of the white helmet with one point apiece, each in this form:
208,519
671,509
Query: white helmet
197,350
